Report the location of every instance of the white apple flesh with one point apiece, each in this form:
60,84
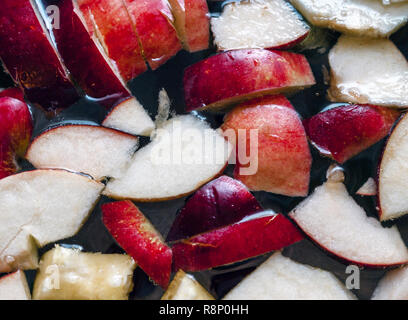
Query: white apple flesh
393,286
14,287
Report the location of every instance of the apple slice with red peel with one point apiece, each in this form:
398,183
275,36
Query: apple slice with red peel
184,155
332,219
272,24
279,155
14,286
393,286
232,77
280,278
221,202
368,71
15,93
343,132
30,59
253,236
97,151
369,188
137,236
153,22
130,116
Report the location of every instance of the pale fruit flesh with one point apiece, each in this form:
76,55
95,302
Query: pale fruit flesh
14,287
393,286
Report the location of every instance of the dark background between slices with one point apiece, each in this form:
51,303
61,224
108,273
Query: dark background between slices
94,237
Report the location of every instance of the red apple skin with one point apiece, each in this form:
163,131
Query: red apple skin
30,59
131,229
234,76
15,93
197,25
222,202
121,41
84,60
153,22
343,132
237,242
284,158
15,133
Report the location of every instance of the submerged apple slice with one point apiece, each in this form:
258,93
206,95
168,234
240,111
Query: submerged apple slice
368,71
258,24
184,155
14,287
254,235
138,237
40,207
393,286
231,77
280,278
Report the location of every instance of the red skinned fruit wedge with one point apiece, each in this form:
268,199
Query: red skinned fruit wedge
343,132
15,93
137,236
219,203
255,235
30,59
271,146
231,77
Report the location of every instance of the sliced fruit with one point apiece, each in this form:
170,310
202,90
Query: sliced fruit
184,155
14,287
393,286
254,235
185,287
15,93
97,151
281,161
280,278
232,77
69,274
258,24
130,116
138,237
368,71
343,132
365,18
41,207
369,188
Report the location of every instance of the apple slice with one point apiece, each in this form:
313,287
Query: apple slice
14,287
112,25
130,116
368,71
15,93
97,151
280,278
343,132
192,21
283,160
258,24
332,218
184,155
369,188
16,128
221,202
366,18
393,286
138,237
30,59
41,207
185,287
232,77
69,274
253,236
153,22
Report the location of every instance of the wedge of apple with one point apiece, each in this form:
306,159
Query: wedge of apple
130,116
280,278
97,151
14,286
221,202
277,159
258,24
30,59
185,287
343,132
40,207
253,236
13,92
231,77
368,71
369,188
365,18
184,155
138,237
332,218
69,274
393,286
